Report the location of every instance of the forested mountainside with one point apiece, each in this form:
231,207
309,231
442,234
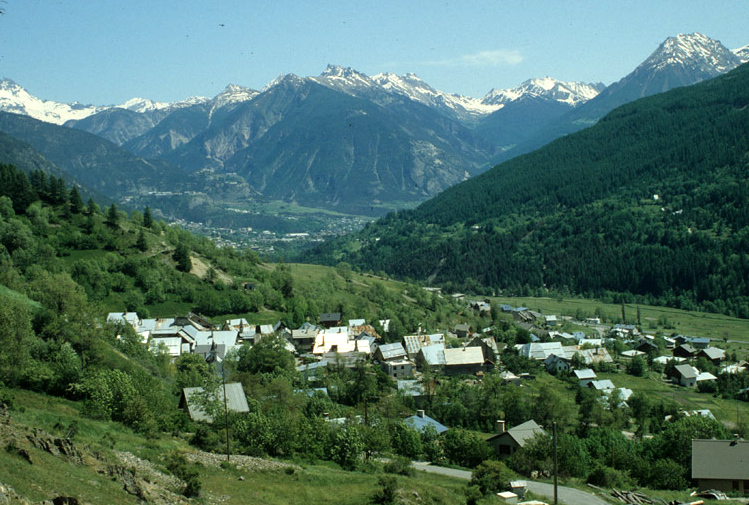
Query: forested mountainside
651,201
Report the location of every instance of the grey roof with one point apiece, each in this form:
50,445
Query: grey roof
434,354
236,401
522,432
542,350
713,353
686,371
585,374
392,351
464,356
720,459
601,385
330,317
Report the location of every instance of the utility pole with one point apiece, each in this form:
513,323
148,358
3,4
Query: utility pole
555,463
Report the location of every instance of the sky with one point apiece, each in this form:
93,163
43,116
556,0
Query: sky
105,52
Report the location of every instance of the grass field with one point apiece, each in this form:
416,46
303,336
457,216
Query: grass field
696,324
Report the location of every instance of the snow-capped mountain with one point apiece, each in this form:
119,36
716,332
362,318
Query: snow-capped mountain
742,53
695,51
683,60
233,94
15,99
416,89
571,93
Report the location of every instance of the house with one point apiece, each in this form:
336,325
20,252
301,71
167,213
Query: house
398,369
551,320
721,465
696,342
510,378
304,339
602,385
684,351
236,401
539,351
713,354
352,323
585,377
684,375
130,318
329,319
488,346
412,343
390,352
663,360
466,360
463,330
507,442
421,422
624,331
592,320
597,355
432,356
647,346
332,340
554,364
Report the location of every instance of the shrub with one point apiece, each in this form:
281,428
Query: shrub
400,466
387,491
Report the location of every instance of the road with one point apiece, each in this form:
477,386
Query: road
566,495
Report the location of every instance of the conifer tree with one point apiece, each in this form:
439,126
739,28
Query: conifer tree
147,218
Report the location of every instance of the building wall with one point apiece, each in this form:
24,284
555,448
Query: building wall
727,486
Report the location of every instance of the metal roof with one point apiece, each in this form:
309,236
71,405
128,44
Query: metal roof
421,421
720,459
236,400
464,356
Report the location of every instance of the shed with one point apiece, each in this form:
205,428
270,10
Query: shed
236,401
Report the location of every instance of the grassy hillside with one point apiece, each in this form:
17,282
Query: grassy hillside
652,318
104,446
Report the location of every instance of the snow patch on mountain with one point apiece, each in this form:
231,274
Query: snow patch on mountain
572,93
142,105
416,89
742,53
694,50
233,94
15,99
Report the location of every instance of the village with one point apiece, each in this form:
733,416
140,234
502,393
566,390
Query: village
462,351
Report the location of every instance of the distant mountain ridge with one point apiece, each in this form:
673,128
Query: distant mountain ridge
356,143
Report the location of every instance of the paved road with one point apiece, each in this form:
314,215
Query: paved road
566,495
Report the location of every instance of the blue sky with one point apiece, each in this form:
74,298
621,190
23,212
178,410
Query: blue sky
107,51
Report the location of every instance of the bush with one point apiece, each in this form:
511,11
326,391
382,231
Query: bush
178,465
387,491
400,466
605,476
492,477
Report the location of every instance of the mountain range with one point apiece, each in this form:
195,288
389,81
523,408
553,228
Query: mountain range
342,140
652,201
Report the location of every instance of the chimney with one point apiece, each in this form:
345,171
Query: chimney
420,413
500,427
